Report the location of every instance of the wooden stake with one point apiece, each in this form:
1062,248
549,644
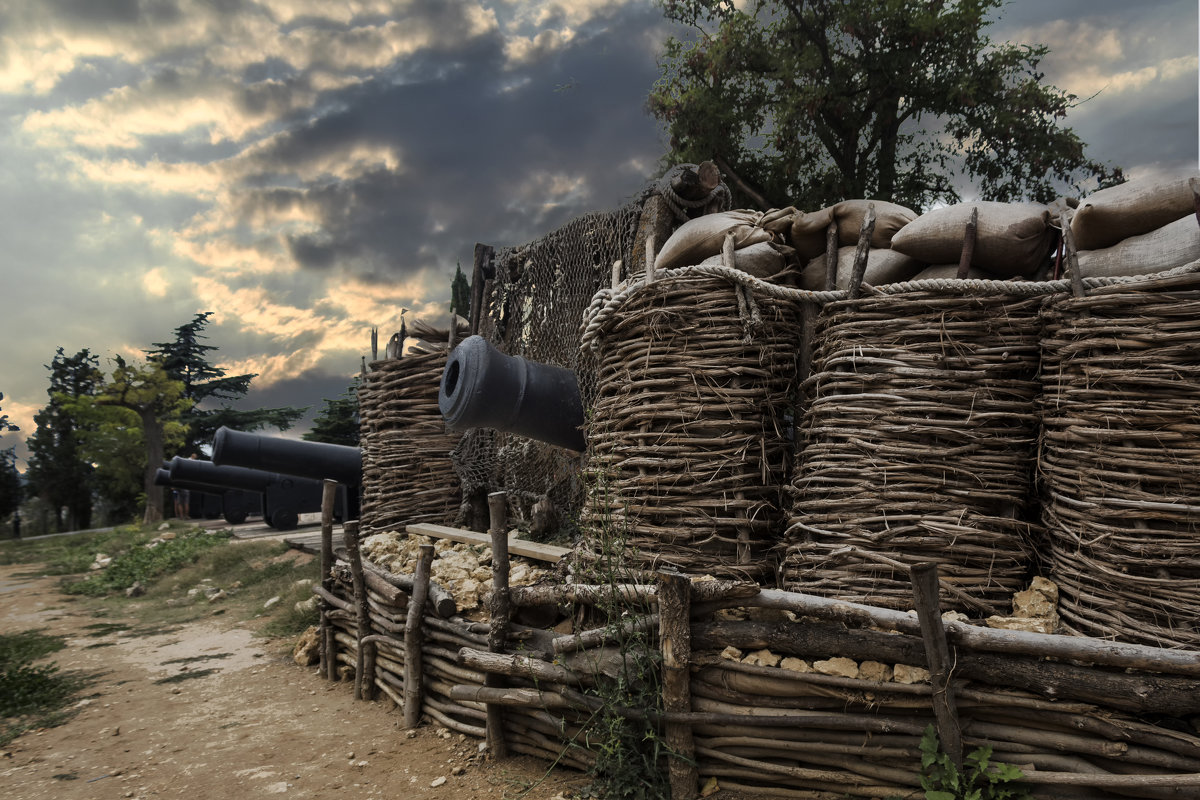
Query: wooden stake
328,644
414,636
968,249
675,639
831,256
937,651
501,611
650,245
861,252
363,683
483,257
1072,255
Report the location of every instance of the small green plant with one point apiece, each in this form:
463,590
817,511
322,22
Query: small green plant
143,563
32,696
980,777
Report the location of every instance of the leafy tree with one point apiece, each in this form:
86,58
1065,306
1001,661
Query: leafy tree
139,408
338,421
460,294
10,479
809,102
186,360
58,473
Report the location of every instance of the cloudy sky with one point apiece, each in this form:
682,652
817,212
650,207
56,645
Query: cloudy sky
307,168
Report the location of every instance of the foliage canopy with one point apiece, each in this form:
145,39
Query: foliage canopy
810,102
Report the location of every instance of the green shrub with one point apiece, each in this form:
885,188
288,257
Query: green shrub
979,779
143,563
32,695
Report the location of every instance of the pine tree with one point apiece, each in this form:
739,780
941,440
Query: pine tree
338,421
186,359
10,479
58,473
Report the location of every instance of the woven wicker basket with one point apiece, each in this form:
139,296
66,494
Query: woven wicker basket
918,445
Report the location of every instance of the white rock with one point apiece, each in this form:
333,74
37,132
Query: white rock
795,664
165,526
1030,624
436,782
271,602
875,671
845,667
731,653
763,658
903,673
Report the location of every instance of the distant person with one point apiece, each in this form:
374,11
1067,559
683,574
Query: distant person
182,498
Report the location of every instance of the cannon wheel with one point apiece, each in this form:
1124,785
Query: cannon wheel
235,517
285,519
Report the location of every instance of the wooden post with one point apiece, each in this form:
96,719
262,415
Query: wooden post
968,249
831,256
501,611
861,252
363,683
1072,255
374,344
937,651
675,639
328,643
650,256
483,256
414,636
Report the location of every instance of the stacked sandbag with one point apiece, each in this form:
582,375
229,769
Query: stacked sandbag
883,265
1137,228
1013,240
704,237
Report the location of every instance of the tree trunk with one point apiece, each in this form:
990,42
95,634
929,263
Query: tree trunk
152,432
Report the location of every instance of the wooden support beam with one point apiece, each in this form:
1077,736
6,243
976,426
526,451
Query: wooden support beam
414,636
675,641
501,611
516,547
937,653
328,643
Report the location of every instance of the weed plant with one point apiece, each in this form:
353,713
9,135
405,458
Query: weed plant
145,561
979,779
32,695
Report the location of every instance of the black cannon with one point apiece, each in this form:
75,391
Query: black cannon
484,388
317,460
283,497
209,502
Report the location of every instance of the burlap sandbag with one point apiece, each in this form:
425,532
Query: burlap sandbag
1013,239
762,260
1131,209
808,230
1168,247
883,266
697,239
948,271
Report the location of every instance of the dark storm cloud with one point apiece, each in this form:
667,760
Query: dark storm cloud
473,143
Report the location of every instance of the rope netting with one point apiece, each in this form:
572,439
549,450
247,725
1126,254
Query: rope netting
407,472
688,434
1120,460
918,444
532,308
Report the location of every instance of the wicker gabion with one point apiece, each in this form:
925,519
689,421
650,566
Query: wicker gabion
407,472
688,435
1120,460
918,444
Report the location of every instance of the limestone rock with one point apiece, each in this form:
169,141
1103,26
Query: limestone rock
795,664
1030,624
903,673
762,658
168,535
875,671
731,653
308,647
271,602
844,667
136,590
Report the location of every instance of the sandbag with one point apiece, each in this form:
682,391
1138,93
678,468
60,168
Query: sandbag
808,230
883,266
762,260
948,271
1131,209
697,239
1168,247
1013,239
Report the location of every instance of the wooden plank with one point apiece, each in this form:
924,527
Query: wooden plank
517,547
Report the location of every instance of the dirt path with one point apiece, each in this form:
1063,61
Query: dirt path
256,725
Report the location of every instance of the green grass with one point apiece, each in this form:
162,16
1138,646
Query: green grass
144,561
33,695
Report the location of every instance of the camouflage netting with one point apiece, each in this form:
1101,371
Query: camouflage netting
532,307
407,472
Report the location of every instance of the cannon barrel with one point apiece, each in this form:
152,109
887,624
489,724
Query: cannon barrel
206,472
162,477
316,460
484,388
234,504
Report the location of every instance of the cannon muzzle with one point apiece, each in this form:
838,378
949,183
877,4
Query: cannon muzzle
206,472
484,388
316,460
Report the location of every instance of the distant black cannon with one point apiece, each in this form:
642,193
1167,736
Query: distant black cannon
284,497
317,460
233,505
484,388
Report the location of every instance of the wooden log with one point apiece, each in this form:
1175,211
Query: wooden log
1134,692
441,600
831,256
1072,255
516,547
501,611
483,261
863,249
362,687
600,637
533,698
974,637
332,599
701,592
413,638
937,653
328,646
674,638
519,666
968,249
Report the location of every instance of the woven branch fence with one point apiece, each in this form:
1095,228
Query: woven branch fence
918,444
1120,459
408,475
688,434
